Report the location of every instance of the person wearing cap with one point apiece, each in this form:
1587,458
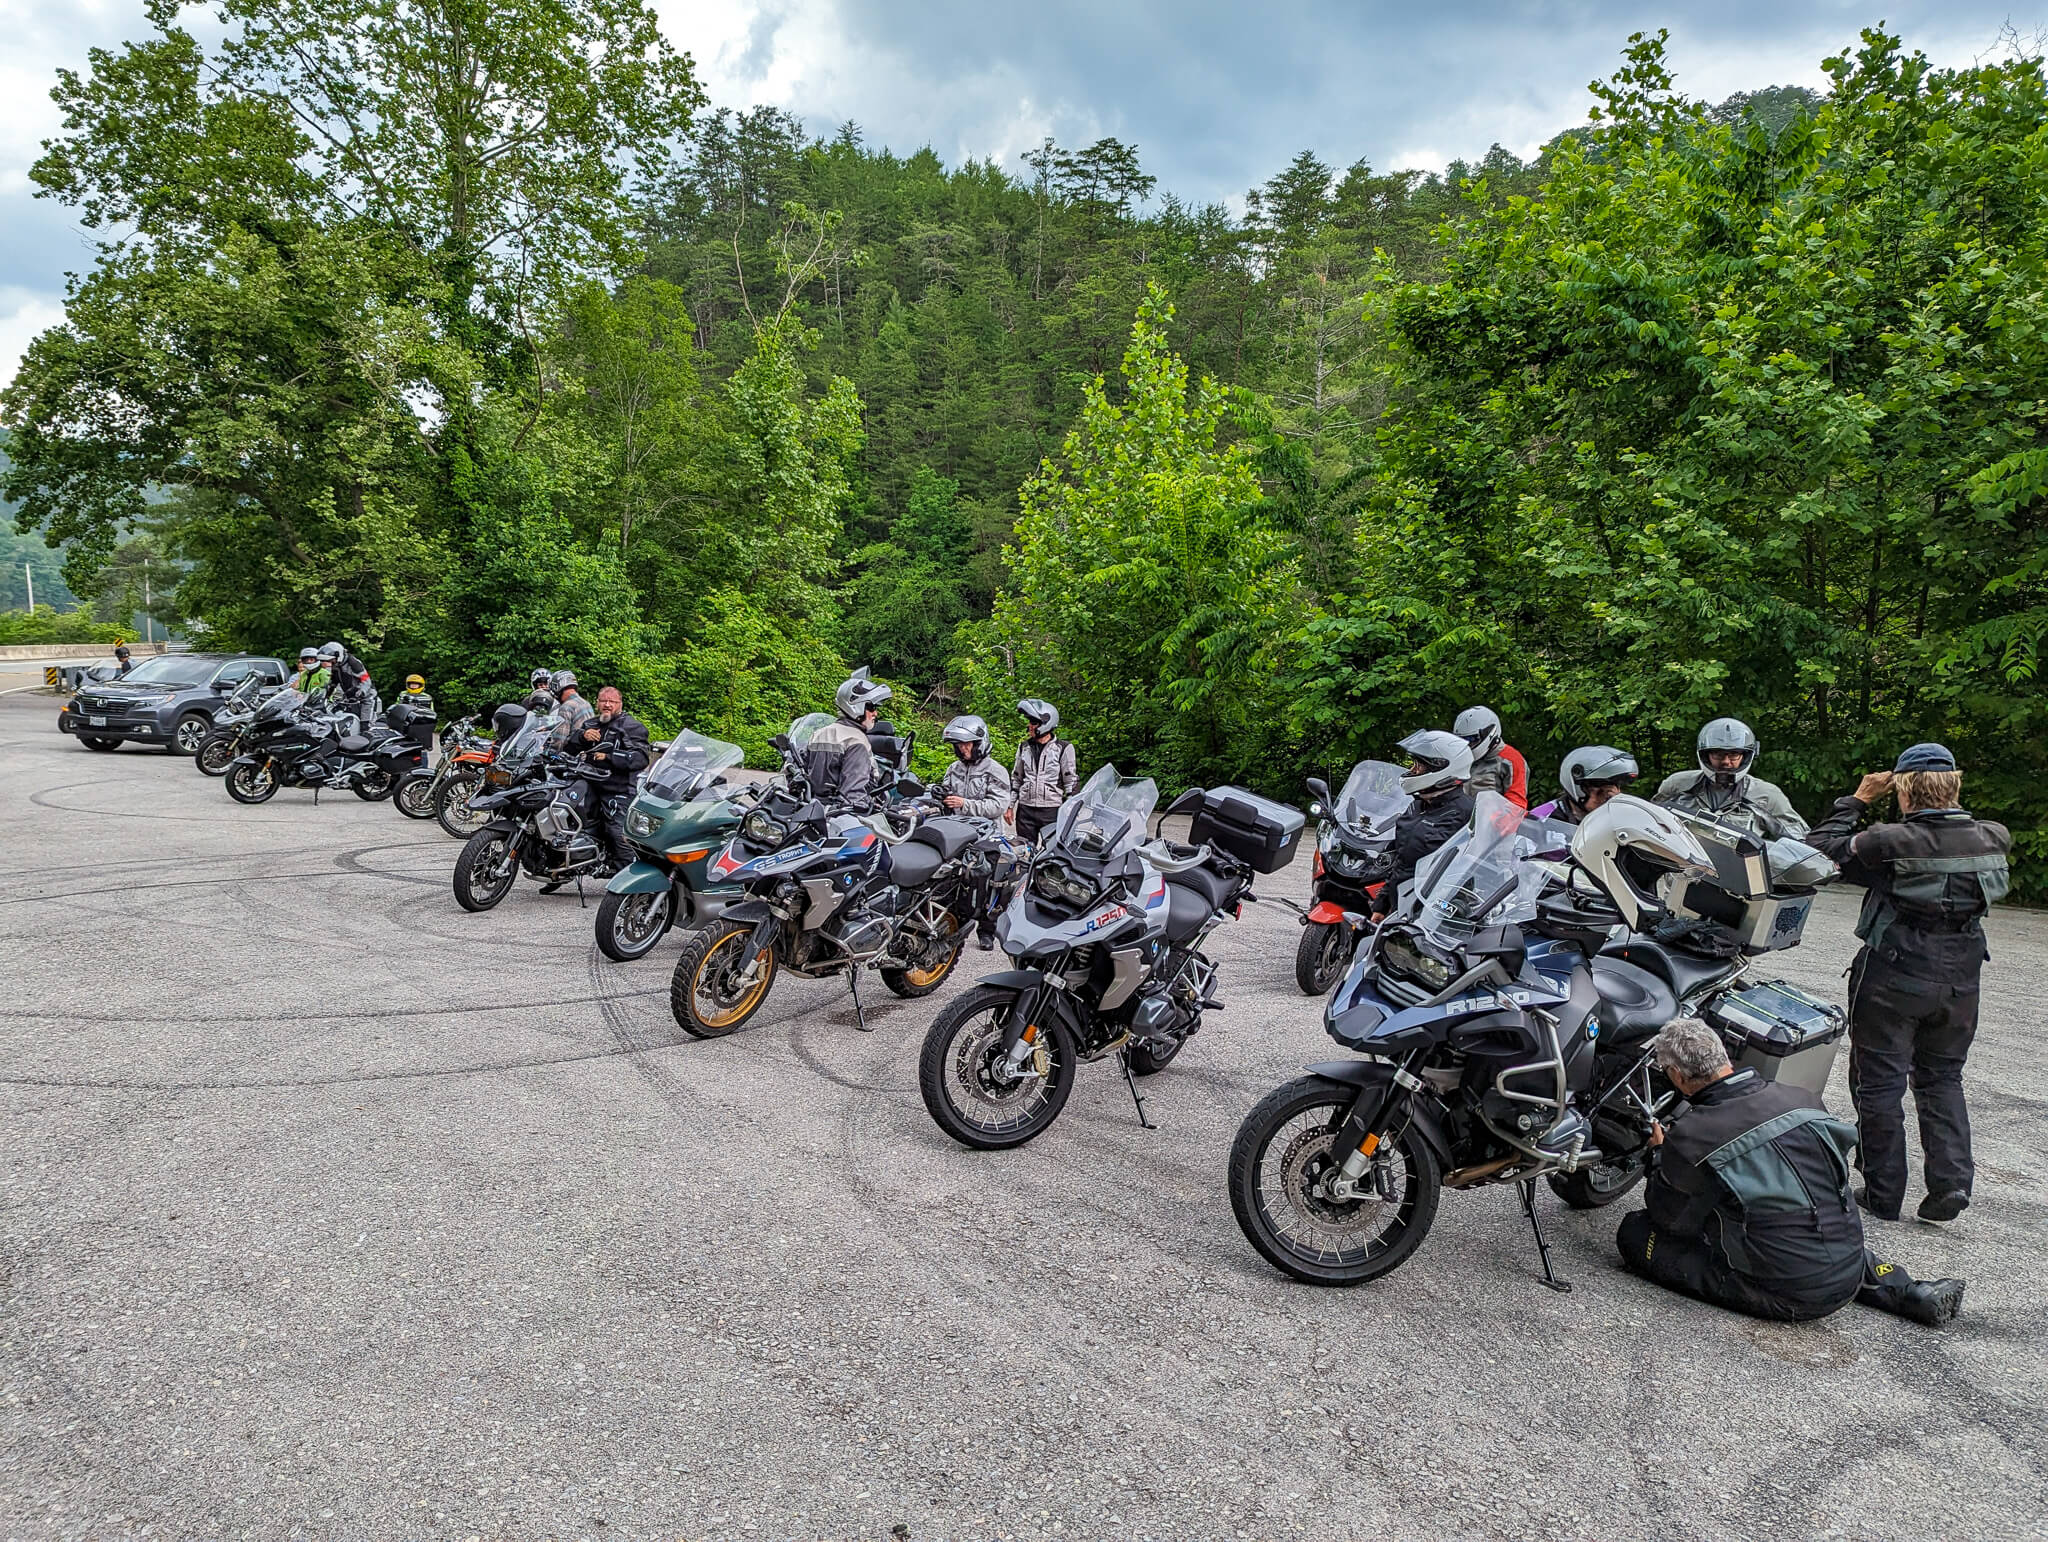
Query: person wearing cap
1725,786
122,663
1043,772
1928,880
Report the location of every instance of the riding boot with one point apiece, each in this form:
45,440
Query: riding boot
1889,1288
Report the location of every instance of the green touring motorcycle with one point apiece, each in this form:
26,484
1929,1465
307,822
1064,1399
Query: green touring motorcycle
681,816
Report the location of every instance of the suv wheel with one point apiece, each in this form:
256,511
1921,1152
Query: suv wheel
92,742
191,732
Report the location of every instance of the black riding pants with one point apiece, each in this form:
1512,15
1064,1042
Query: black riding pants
1906,1031
1031,821
611,813
1694,1267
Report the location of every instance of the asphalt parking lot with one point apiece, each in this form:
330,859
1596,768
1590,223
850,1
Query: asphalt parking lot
333,1211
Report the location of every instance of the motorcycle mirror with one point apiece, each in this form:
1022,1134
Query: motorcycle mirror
1321,789
781,742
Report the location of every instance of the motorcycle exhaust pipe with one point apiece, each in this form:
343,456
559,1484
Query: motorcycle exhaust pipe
1464,1177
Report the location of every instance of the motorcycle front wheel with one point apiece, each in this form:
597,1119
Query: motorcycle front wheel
629,925
252,781
216,752
485,870
1281,1157
451,806
414,796
710,993
941,955
964,1076
373,784
1320,957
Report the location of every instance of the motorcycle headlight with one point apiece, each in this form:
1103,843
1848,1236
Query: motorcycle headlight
1404,958
761,828
1057,883
640,822
1346,863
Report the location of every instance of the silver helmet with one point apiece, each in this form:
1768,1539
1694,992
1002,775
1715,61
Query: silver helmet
1480,728
860,694
1728,733
562,680
968,729
1627,845
1595,765
1043,716
1446,761
538,680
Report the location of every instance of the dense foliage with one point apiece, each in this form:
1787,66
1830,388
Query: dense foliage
1710,409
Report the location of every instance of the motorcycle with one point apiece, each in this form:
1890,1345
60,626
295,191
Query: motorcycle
223,741
464,772
294,742
829,894
1106,933
682,814
1354,857
542,818
1505,1015
414,795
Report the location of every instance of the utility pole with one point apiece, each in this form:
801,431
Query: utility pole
148,621
31,574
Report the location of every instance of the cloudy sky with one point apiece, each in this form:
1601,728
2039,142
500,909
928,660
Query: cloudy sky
1217,94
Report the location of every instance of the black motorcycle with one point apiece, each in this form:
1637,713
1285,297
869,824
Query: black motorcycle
1354,858
223,741
293,741
1106,932
544,819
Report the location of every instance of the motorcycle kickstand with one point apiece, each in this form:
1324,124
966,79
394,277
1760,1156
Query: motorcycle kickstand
860,1021
581,902
1528,1190
1123,1059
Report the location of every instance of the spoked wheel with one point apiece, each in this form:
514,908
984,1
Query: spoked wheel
940,955
1324,950
216,752
629,925
251,781
373,784
414,797
1279,1165
452,810
485,870
716,987
1594,1188
964,1073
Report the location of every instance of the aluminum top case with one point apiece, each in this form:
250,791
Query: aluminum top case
1260,833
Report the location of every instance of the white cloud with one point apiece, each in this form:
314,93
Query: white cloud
23,315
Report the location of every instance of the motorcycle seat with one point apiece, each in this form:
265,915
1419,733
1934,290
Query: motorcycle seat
949,837
1633,1002
353,744
1217,891
912,864
1683,972
1186,910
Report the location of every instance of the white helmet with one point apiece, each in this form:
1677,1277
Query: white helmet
1728,733
1627,845
1446,761
859,693
1480,728
1595,765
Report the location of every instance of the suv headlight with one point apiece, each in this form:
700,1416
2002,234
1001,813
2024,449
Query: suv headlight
761,828
150,701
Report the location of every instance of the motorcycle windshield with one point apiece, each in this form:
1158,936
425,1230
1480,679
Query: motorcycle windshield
1107,816
285,703
520,752
687,766
805,729
1372,798
1487,876
243,696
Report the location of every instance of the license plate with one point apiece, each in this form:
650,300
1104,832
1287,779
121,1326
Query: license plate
97,722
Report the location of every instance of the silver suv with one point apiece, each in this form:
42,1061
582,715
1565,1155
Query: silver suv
168,700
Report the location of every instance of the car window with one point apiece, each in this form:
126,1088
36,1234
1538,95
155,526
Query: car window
235,673
271,670
171,670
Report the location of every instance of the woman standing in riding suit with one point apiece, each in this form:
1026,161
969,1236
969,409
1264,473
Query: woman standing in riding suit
976,784
1043,771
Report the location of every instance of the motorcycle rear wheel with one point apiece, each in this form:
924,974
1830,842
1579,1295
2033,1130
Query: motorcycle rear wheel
485,871
252,783
913,983
216,752
629,925
1595,1188
1283,1148
704,993
373,784
958,1072
451,806
1320,957
414,796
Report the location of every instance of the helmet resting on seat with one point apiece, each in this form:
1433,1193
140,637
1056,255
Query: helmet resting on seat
1627,845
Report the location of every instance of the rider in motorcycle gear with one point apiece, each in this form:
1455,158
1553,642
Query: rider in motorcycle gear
1497,766
571,711
349,683
1589,776
313,674
975,784
1043,772
538,697
615,746
839,762
1439,765
1725,787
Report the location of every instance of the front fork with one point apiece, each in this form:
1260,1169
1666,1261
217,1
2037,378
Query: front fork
1025,1034
1379,1108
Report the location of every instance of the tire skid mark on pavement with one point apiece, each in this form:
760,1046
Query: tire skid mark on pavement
200,1016
286,1083
47,798
634,1045
344,864
400,914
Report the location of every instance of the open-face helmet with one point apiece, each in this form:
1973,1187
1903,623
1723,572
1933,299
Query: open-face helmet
1728,733
1445,759
1480,728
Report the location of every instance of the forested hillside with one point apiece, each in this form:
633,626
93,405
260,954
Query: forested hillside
1709,409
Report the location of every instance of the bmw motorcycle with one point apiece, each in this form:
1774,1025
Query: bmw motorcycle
830,894
1504,1015
542,820
223,741
1354,857
683,815
294,742
1106,932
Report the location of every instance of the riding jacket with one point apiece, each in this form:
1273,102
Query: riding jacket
982,783
1044,774
1750,801
1927,882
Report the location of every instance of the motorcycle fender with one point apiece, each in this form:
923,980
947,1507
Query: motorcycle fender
639,878
1374,1080
749,911
1013,979
1325,914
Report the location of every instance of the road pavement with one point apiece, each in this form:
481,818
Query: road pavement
332,1211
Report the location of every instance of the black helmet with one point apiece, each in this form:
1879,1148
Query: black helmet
1043,716
1595,765
968,730
1728,733
508,720
860,694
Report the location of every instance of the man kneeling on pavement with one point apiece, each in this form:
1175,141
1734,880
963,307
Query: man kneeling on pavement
1749,1199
